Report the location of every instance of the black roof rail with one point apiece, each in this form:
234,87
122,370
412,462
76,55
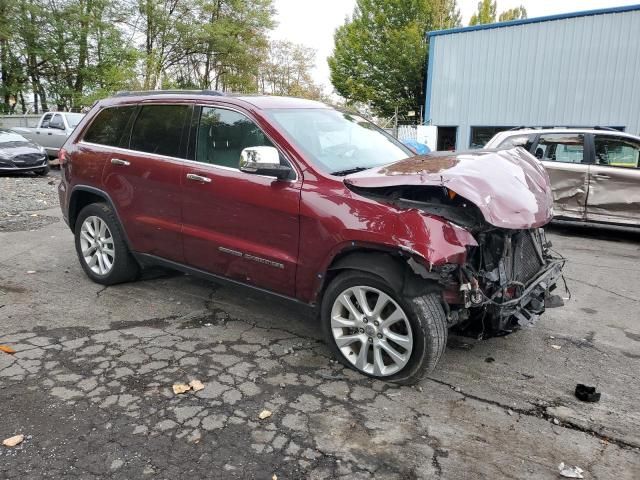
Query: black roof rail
609,129
168,92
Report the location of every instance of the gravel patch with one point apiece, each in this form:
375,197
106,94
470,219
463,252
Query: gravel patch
21,195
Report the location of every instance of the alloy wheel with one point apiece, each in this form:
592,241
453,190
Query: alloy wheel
371,330
96,244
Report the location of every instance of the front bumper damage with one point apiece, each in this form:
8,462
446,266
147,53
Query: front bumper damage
506,283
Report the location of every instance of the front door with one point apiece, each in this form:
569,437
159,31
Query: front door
566,161
239,225
614,183
144,183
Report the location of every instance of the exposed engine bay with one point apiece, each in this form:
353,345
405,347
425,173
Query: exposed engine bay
506,281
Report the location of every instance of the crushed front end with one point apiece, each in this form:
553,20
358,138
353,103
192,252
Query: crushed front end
505,283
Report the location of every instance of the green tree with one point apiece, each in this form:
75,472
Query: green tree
513,14
486,13
379,54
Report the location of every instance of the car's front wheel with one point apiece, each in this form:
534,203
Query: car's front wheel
101,247
380,333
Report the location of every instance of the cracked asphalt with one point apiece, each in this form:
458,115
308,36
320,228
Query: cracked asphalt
90,383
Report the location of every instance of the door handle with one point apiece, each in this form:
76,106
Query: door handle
600,175
118,161
198,178
49,133
37,133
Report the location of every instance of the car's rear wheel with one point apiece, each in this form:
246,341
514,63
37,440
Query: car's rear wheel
101,248
380,333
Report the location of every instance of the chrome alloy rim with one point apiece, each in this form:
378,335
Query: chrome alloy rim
96,244
371,330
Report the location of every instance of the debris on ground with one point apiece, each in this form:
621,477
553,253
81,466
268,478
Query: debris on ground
274,477
7,349
489,359
196,385
264,414
556,421
30,272
587,393
557,347
570,472
13,441
179,388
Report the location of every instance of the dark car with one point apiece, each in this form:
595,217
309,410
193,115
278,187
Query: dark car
17,154
318,206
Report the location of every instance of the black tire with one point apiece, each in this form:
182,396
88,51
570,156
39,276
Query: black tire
43,171
125,268
425,315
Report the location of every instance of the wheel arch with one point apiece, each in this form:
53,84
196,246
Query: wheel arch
391,265
83,195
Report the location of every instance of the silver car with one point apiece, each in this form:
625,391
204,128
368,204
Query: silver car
595,173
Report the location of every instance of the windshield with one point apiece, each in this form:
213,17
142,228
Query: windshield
339,142
74,119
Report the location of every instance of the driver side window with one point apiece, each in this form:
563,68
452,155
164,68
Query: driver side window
223,134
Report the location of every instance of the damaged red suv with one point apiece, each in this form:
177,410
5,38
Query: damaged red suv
317,205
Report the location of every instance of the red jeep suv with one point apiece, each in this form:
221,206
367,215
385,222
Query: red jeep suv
320,206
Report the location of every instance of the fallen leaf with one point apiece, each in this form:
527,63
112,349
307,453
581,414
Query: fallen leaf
196,385
264,414
7,349
179,388
557,347
13,441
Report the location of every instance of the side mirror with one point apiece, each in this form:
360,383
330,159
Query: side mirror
263,161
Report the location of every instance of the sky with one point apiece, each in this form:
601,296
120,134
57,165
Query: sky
312,22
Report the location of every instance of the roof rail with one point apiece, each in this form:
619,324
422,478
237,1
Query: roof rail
609,129
168,92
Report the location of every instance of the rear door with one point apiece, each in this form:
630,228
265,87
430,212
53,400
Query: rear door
567,162
614,183
239,225
144,179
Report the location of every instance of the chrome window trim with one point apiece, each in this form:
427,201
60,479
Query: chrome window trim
183,160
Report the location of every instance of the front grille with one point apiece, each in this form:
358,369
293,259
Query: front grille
28,159
526,261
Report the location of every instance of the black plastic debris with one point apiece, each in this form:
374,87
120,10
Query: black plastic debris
586,393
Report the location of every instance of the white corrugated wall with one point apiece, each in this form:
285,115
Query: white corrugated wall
580,71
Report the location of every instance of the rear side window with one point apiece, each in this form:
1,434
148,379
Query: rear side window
108,128
158,129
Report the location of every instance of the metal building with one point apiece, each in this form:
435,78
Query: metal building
580,69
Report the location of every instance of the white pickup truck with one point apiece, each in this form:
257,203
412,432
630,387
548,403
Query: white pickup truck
52,130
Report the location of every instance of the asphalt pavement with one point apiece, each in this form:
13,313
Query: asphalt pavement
90,384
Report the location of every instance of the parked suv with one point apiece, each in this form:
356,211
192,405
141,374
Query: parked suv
316,205
595,173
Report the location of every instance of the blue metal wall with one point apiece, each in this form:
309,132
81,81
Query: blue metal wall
581,69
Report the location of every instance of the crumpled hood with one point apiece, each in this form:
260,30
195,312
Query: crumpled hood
510,187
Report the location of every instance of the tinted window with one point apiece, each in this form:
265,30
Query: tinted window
56,122
108,128
223,134
616,151
158,129
73,119
561,147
